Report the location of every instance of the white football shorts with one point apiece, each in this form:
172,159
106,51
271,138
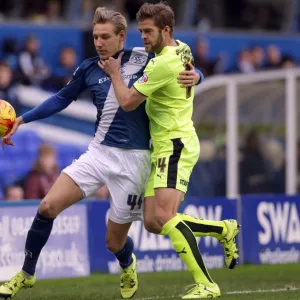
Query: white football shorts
124,171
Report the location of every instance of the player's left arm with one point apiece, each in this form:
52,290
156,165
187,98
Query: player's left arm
155,76
128,98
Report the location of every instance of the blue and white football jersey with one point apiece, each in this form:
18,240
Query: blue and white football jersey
114,127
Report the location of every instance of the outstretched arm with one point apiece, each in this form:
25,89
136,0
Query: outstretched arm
50,106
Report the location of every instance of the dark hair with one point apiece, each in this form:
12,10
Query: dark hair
161,13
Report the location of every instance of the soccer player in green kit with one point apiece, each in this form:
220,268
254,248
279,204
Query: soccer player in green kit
175,145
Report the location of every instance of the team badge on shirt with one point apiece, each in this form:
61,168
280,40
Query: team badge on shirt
143,79
138,59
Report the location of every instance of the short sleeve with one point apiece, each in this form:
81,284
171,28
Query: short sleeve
156,74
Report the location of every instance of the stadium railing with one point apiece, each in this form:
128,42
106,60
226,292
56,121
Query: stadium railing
229,104
224,106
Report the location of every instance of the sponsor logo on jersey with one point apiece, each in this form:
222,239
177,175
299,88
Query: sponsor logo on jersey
104,79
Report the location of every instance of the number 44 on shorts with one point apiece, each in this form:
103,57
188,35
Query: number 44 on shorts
134,200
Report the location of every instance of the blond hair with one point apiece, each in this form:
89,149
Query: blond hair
103,16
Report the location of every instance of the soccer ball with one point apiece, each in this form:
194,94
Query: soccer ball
7,117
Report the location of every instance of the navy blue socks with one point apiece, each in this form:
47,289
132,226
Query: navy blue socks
125,255
37,237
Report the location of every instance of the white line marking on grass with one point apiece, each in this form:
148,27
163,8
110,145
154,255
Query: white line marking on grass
287,289
160,297
263,291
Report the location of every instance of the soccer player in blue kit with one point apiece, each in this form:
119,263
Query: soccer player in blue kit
118,155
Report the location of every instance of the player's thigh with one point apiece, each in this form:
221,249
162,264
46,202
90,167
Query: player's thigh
88,172
127,187
161,157
149,189
188,159
116,236
62,194
163,206
174,161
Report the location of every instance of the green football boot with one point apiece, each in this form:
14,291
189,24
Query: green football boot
10,288
129,280
228,241
201,291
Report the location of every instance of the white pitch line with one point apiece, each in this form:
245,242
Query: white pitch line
228,293
160,297
263,291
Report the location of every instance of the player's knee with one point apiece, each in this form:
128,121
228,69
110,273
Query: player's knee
112,244
152,225
155,223
48,209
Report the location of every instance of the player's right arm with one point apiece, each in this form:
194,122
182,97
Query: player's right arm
156,75
52,105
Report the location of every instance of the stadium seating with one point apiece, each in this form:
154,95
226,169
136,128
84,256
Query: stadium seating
208,177
17,161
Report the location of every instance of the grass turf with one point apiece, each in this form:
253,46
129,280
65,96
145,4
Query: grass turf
171,285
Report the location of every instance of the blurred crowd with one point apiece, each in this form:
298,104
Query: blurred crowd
23,64
79,12
203,14
39,180
261,171
246,15
248,60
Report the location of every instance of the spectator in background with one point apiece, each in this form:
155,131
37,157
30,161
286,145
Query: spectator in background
274,155
44,173
201,58
14,193
287,62
86,12
203,20
31,64
83,14
273,57
53,12
253,171
10,53
63,73
244,63
257,54
47,11
7,90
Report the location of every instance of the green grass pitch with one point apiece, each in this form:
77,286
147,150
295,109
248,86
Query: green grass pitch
276,282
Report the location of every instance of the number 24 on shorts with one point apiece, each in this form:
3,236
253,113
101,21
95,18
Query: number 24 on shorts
132,201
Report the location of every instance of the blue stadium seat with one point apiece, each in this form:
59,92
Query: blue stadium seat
66,154
207,180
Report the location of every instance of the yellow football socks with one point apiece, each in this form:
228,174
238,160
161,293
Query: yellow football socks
185,245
